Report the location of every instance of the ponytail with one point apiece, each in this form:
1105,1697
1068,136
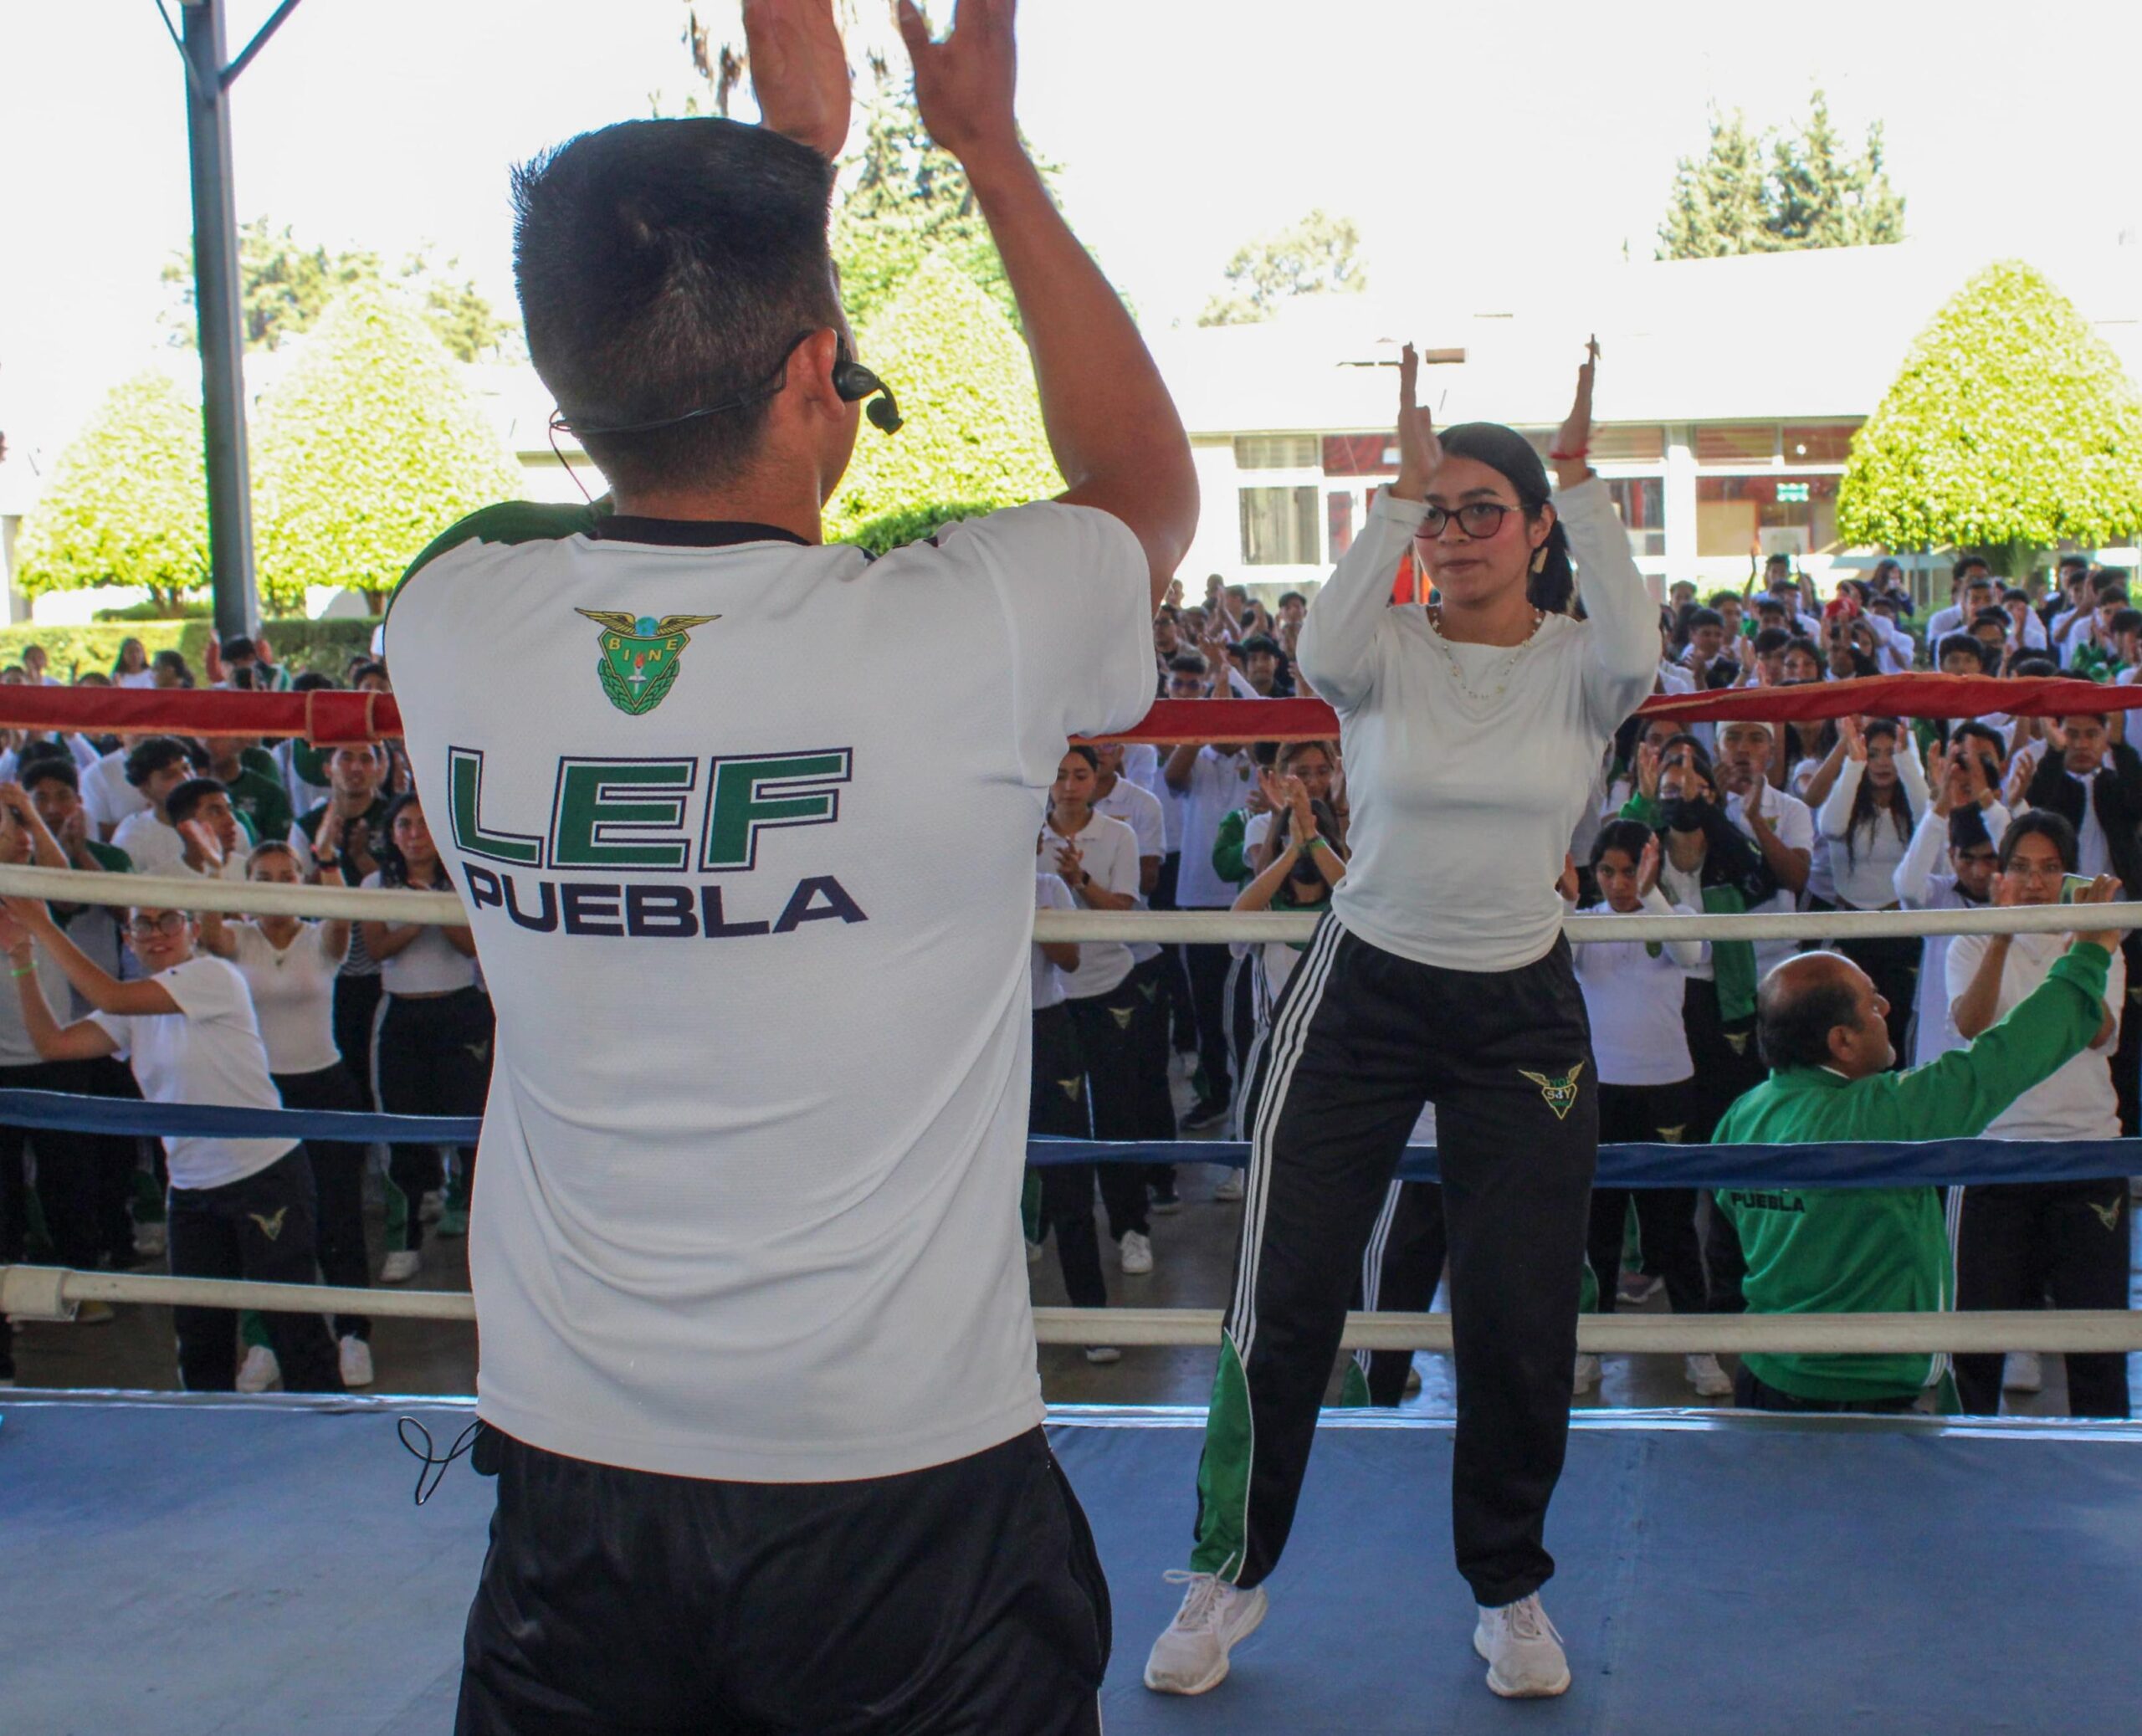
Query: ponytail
1554,587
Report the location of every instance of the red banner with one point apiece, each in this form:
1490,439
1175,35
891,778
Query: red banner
332,716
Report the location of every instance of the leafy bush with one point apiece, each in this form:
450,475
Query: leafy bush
299,644
127,502
2010,428
366,448
892,530
966,386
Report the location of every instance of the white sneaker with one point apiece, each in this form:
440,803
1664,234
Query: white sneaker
1587,1374
1232,1187
2021,1372
399,1266
1524,1652
1033,1253
356,1361
1100,1356
1706,1376
259,1370
1137,1254
1191,1655
149,1241
429,1207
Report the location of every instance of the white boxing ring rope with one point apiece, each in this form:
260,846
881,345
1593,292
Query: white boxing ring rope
190,892
33,1293
49,1292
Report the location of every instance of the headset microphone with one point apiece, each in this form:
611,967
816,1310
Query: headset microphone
852,380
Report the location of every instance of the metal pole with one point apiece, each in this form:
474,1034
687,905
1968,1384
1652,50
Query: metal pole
216,302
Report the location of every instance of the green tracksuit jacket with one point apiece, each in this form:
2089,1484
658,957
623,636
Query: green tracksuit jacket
1881,1250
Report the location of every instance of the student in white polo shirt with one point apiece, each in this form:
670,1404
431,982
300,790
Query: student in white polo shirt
746,1246
238,1208
1118,795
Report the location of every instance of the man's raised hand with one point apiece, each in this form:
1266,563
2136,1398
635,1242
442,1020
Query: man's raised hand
964,85
799,71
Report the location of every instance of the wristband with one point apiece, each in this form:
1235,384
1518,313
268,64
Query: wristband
1314,841
29,970
1571,456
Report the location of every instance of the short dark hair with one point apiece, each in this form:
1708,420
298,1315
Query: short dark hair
1720,599
2038,663
237,647
2080,562
1972,582
1967,565
158,753
185,802
2111,590
1957,643
1977,731
1771,639
1189,662
1767,604
312,681
1260,643
664,266
2039,822
1704,618
1801,642
1287,596
2015,594
2126,621
1793,1029
1991,616
1085,753
37,768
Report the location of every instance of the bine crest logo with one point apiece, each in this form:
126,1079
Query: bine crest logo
1560,1093
641,656
271,1227
2108,1215
1073,1087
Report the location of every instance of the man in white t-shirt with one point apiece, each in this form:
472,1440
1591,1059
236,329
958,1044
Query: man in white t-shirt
745,1242
1780,825
1214,779
107,794
238,1207
1119,796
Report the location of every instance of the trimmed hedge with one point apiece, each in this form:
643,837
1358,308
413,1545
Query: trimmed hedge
324,645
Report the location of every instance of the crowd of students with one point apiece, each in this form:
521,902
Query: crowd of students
1862,813
260,1012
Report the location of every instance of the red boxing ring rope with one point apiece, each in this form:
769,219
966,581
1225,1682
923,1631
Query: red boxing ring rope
331,717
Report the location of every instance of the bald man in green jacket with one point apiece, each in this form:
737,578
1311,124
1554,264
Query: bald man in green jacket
1877,1250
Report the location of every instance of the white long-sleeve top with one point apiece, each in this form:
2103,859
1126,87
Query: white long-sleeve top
1920,887
1632,992
1865,872
1463,807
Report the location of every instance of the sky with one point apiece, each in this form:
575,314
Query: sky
1486,143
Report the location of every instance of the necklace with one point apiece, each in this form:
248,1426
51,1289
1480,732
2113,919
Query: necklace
1458,674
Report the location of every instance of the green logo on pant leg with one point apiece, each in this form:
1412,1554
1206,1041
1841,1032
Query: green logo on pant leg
1223,1471
1560,1093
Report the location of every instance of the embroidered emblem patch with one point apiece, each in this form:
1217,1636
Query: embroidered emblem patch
271,1227
2108,1215
1560,1093
641,656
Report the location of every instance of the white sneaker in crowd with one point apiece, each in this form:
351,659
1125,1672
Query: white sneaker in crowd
399,1266
1191,1655
356,1356
2021,1372
1137,1254
1232,1187
1706,1376
1100,1356
429,1207
149,1241
1587,1373
1033,1253
259,1370
1524,1652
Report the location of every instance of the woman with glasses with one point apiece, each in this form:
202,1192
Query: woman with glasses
2019,1243
431,1050
237,1208
1470,729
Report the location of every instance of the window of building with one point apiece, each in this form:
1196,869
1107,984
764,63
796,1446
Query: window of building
1278,526
1778,514
1361,455
1276,451
1742,443
1819,444
1641,501
1626,443
1339,522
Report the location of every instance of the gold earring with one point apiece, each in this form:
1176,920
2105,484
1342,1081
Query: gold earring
1539,559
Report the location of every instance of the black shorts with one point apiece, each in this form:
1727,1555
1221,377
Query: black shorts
964,1598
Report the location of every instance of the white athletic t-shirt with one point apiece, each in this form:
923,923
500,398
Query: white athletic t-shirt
1140,809
1108,850
757,1125
2077,1102
1219,784
107,794
292,989
1050,894
208,1052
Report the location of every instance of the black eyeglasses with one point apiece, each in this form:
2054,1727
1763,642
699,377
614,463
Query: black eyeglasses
1479,519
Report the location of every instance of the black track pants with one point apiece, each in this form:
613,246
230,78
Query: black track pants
1359,1041
1666,1216
338,1182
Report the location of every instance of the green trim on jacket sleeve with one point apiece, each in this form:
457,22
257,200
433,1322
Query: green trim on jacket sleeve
1229,861
1641,808
509,521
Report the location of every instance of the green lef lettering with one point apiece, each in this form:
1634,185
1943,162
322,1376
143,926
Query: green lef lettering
465,770
760,792
622,813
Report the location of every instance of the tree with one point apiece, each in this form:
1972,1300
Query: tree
1780,193
367,447
2010,428
973,434
1318,255
284,285
127,500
